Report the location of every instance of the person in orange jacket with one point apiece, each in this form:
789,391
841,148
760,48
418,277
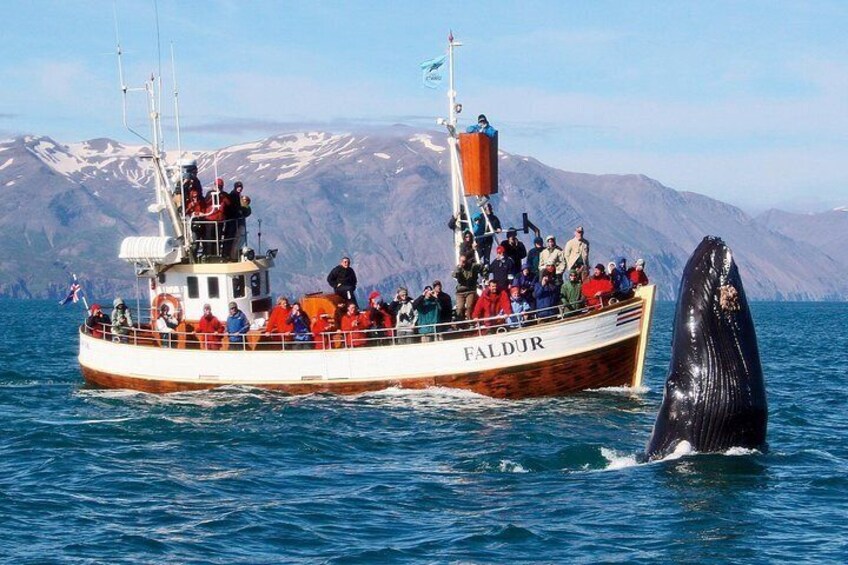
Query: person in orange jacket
279,323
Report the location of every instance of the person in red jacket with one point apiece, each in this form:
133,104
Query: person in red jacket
354,324
597,288
217,209
637,274
322,327
209,330
279,326
493,306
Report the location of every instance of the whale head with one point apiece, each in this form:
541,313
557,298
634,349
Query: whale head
714,395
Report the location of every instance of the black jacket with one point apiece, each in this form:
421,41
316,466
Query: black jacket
342,277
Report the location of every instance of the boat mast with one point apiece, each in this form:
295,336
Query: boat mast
164,207
457,187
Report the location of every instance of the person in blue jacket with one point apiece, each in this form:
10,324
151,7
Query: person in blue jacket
482,127
621,284
237,326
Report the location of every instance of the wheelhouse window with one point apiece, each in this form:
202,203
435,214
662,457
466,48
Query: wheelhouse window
213,288
238,286
267,283
255,284
193,287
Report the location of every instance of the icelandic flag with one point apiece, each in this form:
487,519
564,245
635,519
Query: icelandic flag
73,294
431,76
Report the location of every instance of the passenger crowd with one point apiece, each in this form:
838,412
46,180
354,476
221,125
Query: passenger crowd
519,287
217,219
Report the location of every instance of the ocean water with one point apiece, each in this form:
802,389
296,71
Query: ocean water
437,476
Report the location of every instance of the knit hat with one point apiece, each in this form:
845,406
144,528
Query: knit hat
511,232
601,267
572,272
501,249
550,237
219,181
640,262
374,294
482,118
238,184
538,240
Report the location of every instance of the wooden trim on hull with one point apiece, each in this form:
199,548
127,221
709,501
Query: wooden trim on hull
613,365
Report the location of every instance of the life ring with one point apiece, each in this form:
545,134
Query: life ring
174,306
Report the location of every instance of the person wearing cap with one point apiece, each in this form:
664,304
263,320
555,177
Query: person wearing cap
166,325
482,127
97,322
526,282
493,306
237,327
577,253
209,330
514,249
597,288
405,315
501,269
533,255
520,308
552,260
380,317
622,287
637,274
121,320
342,279
429,309
467,275
571,293
485,225
445,307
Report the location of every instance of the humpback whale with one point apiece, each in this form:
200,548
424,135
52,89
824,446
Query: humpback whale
714,396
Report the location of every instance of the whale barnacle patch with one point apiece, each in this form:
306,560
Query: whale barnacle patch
729,299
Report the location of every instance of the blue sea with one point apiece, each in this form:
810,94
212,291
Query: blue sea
438,476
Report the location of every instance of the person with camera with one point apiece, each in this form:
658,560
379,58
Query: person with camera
354,325
428,308
405,315
166,325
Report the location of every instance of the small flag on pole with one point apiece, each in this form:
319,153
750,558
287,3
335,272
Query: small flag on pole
431,76
73,294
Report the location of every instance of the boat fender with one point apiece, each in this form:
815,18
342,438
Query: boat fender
174,305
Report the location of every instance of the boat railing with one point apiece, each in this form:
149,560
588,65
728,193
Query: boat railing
218,238
185,337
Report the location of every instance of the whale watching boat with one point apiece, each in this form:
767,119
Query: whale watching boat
192,262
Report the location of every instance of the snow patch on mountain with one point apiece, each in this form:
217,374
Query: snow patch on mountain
427,141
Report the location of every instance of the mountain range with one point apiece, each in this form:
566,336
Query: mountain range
381,198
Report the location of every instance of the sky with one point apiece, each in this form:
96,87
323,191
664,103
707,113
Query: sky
742,101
